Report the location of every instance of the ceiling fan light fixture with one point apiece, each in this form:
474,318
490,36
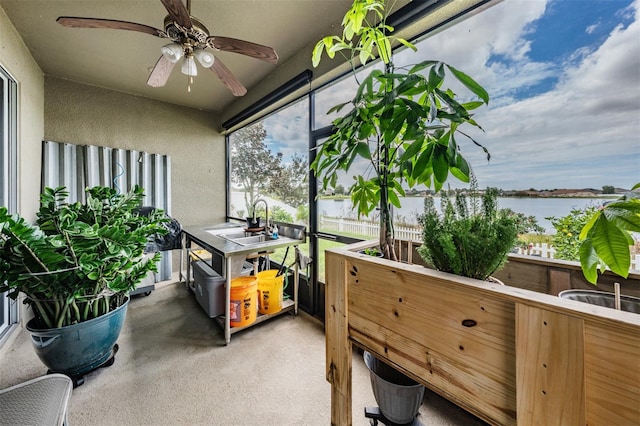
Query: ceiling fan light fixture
187,37
205,58
189,66
173,52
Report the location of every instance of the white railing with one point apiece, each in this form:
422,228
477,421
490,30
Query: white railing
367,229
538,249
547,251
371,229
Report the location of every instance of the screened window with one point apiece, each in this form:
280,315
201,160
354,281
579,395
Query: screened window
8,174
269,160
342,90
564,82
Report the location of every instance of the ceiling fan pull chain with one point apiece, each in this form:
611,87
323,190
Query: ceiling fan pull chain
189,83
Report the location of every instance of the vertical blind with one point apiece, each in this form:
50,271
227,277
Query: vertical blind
80,166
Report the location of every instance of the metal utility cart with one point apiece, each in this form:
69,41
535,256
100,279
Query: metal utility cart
229,245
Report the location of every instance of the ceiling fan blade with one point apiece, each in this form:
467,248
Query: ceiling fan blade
75,22
228,78
161,72
178,12
243,47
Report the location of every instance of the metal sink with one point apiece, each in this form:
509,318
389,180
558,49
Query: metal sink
227,232
245,241
233,236
238,236
287,234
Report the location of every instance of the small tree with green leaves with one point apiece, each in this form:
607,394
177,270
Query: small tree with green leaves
289,181
566,240
401,120
279,214
608,189
252,163
302,214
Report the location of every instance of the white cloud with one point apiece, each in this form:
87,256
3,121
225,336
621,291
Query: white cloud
591,28
288,128
500,30
584,132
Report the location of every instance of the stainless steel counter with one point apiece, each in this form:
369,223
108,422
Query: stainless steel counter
224,238
229,245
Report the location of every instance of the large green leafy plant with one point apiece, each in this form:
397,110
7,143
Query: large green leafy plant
606,237
401,120
81,260
469,238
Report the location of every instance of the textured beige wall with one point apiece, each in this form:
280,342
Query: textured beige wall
18,62
88,115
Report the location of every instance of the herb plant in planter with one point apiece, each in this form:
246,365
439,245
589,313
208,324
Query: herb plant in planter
472,239
75,268
401,120
372,251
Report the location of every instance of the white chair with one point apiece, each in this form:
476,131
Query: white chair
40,401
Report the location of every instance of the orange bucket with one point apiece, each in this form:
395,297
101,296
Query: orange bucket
269,291
243,306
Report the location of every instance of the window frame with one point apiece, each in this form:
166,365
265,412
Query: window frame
9,179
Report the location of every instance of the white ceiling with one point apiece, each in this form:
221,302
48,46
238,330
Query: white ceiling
121,60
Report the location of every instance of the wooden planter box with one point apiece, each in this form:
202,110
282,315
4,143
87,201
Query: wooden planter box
506,354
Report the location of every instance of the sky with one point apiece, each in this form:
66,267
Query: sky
564,82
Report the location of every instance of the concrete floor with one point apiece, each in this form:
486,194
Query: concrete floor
173,368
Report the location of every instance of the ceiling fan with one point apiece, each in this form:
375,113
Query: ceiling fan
191,40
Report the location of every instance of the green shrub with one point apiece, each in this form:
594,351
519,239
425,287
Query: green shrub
280,214
566,240
276,213
467,239
302,213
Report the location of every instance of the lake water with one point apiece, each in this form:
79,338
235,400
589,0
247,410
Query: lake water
412,206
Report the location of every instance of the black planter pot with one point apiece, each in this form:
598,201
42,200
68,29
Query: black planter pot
602,298
399,397
77,349
253,223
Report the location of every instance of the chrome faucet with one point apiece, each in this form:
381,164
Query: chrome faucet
267,227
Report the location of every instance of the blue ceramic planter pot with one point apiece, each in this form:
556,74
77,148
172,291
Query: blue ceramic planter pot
77,349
